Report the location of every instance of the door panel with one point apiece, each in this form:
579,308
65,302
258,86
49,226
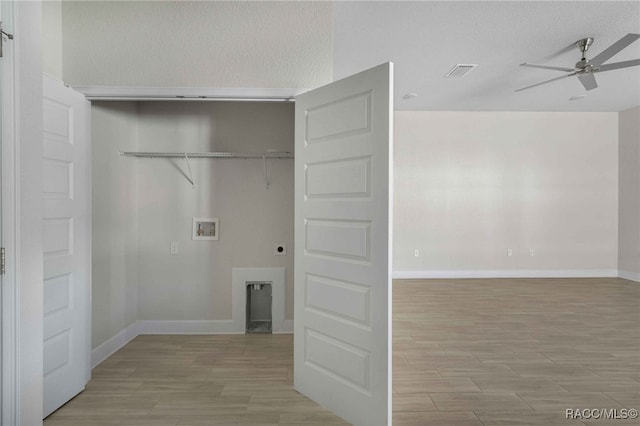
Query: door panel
66,225
342,333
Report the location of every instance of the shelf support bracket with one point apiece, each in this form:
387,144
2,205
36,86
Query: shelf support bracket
190,178
266,175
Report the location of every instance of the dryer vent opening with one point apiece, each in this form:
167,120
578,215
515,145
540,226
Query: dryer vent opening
258,307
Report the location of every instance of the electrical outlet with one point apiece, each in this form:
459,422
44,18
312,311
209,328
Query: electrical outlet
416,252
280,249
509,252
532,252
174,247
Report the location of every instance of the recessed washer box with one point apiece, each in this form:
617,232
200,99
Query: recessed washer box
205,228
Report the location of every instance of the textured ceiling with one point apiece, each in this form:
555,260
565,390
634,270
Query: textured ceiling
426,39
302,45
232,44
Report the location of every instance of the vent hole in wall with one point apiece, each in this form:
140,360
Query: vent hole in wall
259,316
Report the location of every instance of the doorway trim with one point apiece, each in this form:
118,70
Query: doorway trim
117,93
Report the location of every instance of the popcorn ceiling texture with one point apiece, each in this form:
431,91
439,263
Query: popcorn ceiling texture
197,44
425,39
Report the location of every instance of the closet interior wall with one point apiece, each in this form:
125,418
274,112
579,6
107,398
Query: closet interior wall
141,205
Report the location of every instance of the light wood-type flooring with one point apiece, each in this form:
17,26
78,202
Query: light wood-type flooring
514,351
466,352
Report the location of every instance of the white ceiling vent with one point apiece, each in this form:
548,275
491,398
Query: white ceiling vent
460,70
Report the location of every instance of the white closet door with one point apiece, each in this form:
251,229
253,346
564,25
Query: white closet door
343,192
66,243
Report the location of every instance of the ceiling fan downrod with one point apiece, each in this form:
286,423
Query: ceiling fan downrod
584,44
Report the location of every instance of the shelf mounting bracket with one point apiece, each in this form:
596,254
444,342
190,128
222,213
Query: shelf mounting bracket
266,175
190,178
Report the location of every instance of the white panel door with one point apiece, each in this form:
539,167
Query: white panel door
66,243
343,192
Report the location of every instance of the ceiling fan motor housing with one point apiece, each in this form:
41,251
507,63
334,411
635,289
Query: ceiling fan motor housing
584,44
583,65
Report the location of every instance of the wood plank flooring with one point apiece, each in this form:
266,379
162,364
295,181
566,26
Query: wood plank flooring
466,352
195,380
514,351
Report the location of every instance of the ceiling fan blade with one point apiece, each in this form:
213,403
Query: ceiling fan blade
616,47
588,80
617,65
569,48
547,67
545,82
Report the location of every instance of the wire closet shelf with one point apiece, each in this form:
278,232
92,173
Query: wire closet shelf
153,154
188,155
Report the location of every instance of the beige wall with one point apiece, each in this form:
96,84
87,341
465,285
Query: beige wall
114,220
629,205
196,284
141,205
197,44
470,185
52,38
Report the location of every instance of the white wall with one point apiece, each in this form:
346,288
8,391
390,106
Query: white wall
29,275
115,220
629,206
197,44
52,38
470,185
140,205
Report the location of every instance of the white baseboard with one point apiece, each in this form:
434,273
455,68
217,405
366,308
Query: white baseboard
633,276
111,346
287,328
188,327
506,273
200,327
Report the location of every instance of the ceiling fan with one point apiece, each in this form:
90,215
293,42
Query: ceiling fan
584,68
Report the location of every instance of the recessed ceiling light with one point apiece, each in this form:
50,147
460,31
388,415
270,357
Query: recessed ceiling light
577,97
410,96
460,70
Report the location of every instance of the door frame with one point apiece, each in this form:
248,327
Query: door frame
10,223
